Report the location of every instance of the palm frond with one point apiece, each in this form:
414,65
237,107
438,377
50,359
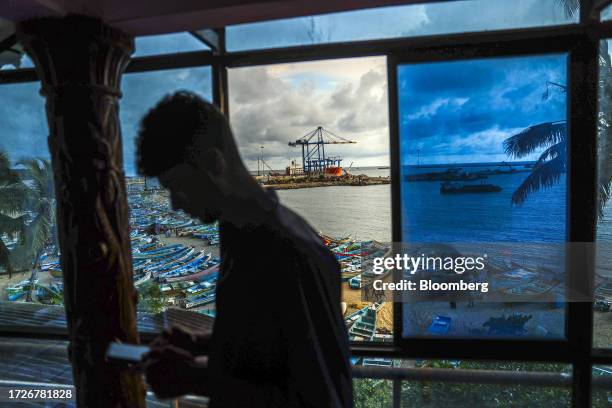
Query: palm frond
605,172
12,226
542,176
5,259
534,137
552,152
37,234
12,198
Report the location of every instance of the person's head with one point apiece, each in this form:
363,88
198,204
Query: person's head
187,144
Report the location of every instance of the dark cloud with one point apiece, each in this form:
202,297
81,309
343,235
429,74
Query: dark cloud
272,109
24,129
468,108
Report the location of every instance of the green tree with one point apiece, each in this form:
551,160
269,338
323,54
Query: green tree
12,220
371,393
150,298
40,202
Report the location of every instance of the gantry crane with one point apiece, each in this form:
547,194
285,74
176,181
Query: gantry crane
313,149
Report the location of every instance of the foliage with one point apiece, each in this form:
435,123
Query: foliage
371,393
27,211
12,195
150,298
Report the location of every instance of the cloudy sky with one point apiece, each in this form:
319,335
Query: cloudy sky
461,112
274,105
458,107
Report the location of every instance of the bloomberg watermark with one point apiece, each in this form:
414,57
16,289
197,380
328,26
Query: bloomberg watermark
477,272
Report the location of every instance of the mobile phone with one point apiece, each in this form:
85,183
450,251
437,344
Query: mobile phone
131,353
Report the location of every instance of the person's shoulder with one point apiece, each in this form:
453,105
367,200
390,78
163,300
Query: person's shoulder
296,233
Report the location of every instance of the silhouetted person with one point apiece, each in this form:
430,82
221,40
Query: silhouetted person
279,339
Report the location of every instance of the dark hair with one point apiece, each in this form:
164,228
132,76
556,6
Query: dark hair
175,129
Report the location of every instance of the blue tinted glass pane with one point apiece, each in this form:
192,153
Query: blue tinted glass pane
399,21
602,318
460,184
167,44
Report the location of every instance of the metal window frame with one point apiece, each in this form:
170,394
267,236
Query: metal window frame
579,40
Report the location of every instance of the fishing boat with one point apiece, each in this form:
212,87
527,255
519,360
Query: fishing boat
181,268
355,282
364,327
457,188
200,301
200,288
142,278
196,275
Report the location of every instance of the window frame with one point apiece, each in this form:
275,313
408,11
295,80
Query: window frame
580,41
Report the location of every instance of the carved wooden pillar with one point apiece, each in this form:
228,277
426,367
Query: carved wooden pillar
80,61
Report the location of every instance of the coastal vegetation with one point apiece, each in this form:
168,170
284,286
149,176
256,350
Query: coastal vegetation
27,212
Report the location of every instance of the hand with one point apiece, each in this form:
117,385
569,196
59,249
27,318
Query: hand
195,342
169,370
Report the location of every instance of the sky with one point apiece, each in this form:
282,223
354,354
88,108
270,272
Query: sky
462,111
272,105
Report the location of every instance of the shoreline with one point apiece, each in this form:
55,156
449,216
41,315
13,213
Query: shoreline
298,183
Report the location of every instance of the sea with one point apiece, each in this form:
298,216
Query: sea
364,212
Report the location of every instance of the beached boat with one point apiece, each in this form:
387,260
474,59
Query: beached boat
180,268
364,328
355,282
195,275
142,278
200,301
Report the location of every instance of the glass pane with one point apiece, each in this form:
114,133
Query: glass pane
602,318
606,14
10,61
35,364
602,387
32,291
400,21
346,198
170,249
452,393
482,155
167,44
29,285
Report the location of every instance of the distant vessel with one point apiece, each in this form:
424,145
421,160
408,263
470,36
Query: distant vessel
447,175
456,188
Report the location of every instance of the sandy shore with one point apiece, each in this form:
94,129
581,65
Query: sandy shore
384,317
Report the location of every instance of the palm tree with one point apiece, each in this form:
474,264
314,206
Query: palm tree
40,201
551,164
12,221
552,136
